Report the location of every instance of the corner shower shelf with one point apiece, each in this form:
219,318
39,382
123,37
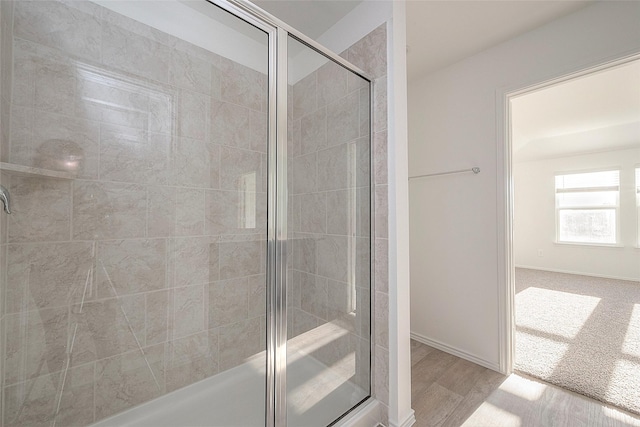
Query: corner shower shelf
15,169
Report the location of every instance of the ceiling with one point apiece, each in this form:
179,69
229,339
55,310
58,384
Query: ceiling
439,33
595,113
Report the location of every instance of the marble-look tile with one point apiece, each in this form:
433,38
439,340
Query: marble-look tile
381,211
313,132
382,265
63,398
314,213
332,83
380,157
305,95
370,53
136,156
57,25
108,210
23,87
239,341
193,114
107,327
221,212
258,122
365,111
305,253
55,87
130,266
334,171
293,289
157,317
299,322
189,72
193,261
241,170
228,302
314,294
136,54
240,258
340,205
363,212
190,213
380,104
230,124
257,295
294,136
363,313
333,257
49,141
188,311
161,211
42,275
303,175
129,379
362,265
381,377
294,210
242,85
343,119
196,163
382,320
339,299
191,359
41,209
161,112
36,343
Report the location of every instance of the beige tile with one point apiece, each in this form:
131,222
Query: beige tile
382,265
313,213
294,217
305,95
242,85
57,25
221,212
303,175
41,209
228,302
429,369
191,359
440,404
343,119
362,265
381,211
304,251
130,266
257,295
157,317
193,114
63,398
161,211
36,344
55,87
334,168
161,111
230,124
259,131
332,83
241,170
380,157
293,289
108,210
380,104
313,132
461,377
333,257
363,313
299,322
382,320
189,72
370,53
190,212
240,258
314,295
188,311
339,303
43,275
193,261
132,155
294,136
365,111
419,351
107,327
129,379
196,163
239,341
136,54
381,380
339,206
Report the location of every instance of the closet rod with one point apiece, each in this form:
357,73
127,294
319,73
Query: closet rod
475,170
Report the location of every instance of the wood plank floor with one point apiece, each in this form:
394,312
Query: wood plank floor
449,391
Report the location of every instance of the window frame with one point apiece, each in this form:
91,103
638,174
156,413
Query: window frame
590,207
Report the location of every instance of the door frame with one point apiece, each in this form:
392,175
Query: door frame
506,266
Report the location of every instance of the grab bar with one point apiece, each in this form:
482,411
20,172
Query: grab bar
475,170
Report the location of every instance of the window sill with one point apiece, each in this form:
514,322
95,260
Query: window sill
597,245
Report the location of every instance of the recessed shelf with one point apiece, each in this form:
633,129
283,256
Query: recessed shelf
22,170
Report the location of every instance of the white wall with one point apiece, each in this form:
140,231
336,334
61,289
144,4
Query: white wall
534,218
456,231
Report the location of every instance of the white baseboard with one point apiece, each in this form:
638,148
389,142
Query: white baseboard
579,273
409,420
455,351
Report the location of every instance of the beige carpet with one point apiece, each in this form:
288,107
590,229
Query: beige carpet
581,333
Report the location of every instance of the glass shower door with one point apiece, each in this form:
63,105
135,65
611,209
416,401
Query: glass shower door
328,229
133,263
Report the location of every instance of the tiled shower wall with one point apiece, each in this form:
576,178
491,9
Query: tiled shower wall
142,273
329,226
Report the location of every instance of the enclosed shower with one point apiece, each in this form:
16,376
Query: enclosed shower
189,234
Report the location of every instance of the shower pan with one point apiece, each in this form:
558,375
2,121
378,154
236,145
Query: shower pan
189,238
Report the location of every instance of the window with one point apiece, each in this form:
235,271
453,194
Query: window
638,203
587,207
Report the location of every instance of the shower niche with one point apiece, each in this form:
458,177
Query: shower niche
189,240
